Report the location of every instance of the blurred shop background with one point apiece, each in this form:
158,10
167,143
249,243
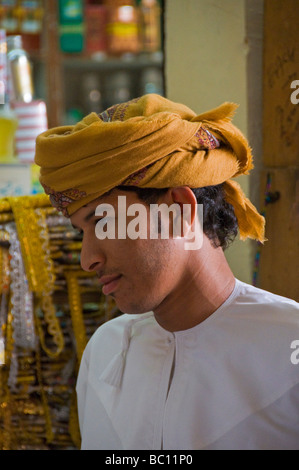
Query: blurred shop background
61,59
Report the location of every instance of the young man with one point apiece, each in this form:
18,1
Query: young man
198,360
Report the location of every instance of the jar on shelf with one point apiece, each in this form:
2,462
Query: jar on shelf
31,14
117,88
150,25
96,36
8,127
91,91
123,27
8,16
151,81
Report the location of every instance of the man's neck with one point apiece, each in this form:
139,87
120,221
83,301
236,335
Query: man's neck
205,285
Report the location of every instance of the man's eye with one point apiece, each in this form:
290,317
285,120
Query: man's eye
104,220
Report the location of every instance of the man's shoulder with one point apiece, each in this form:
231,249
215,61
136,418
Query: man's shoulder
262,306
259,296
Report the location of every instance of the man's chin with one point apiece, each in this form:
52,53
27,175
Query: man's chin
131,309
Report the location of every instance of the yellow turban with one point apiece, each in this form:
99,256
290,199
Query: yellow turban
149,142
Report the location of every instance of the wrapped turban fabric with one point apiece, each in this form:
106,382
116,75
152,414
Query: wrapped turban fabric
149,142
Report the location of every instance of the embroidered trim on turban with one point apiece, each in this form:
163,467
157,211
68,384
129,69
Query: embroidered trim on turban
149,142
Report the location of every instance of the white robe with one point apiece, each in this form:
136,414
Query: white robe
227,383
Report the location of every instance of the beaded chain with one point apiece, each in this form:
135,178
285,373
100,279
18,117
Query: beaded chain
22,297
38,266
21,305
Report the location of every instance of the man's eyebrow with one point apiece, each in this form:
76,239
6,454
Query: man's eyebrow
86,218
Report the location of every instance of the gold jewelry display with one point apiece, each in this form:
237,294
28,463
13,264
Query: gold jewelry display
76,310
4,290
6,433
33,238
49,308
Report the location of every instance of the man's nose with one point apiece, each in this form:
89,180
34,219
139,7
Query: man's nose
92,257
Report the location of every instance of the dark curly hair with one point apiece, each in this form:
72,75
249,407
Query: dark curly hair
219,220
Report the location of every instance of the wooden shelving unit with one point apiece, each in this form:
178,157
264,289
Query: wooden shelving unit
57,64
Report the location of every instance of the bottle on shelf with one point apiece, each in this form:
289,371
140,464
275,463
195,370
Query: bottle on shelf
31,113
8,118
19,70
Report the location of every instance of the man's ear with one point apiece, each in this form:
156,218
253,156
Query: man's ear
185,199
184,195
191,217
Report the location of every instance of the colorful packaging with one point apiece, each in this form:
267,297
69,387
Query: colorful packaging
32,121
9,16
71,25
96,36
123,27
31,13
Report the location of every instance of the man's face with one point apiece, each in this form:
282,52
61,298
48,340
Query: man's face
138,273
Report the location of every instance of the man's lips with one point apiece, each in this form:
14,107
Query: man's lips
109,283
